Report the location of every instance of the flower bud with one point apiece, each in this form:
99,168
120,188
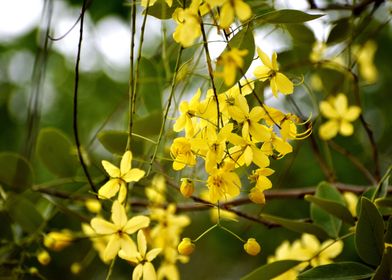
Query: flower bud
93,205
257,196
43,257
187,187
252,247
57,241
186,246
76,268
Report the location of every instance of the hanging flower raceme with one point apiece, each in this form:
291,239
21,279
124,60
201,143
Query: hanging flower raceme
119,177
230,61
144,268
118,230
340,116
270,70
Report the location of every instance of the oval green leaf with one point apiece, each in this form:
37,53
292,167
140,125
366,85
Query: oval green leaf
286,16
271,270
340,32
16,173
338,271
384,270
243,40
24,213
369,234
116,141
297,226
57,152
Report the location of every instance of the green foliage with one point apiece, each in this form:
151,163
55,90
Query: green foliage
286,16
271,270
16,173
116,141
369,234
57,152
338,271
161,10
340,31
384,270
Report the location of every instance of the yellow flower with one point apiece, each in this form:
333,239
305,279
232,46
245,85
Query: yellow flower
144,268
339,115
252,247
93,205
187,187
231,8
99,242
156,191
256,195
231,60
119,230
270,70
188,28
181,153
351,201
223,183
276,143
365,55
43,257
186,246
188,111
57,241
119,177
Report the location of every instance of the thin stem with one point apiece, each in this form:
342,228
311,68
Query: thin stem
110,271
75,102
232,233
205,232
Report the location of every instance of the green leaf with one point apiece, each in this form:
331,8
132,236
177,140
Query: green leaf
384,202
57,152
286,16
328,208
24,213
297,226
388,231
150,85
369,193
161,10
369,235
16,173
116,142
149,125
242,40
384,270
340,32
301,34
338,271
271,270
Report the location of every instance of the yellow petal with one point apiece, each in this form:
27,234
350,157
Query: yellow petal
328,130
112,248
152,254
282,147
102,226
242,10
248,155
262,72
122,195
274,86
111,169
284,84
133,175
352,113
226,15
340,104
128,249
149,271
136,223
333,250
119,217
327,110
141,243
264,58
109,189
137,272
125,163
346,128
259,158
260,132
256,113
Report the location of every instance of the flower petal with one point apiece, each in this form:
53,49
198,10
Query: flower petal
102,226
152,254
125,163
340,103
110,189
111,169
141,243
284,84
352,113
112,248
346,128
226,15
242,10
136,223
327,110
262,72
264,58
138,272
133,175
119,217
149,271
328,130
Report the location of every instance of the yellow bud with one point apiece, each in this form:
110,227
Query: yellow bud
43,257
252,247
93,205
186,246
57,241
257,196
33,270
76,268
187,187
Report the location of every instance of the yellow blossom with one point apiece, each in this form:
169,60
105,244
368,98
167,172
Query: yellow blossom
365,56
276,143
218,214
186,246
351,201
223,183
270,70
119,177
99,242
93,205
76,268
144,268
188,111
340,116
181,153
57,241
156,191
43,257
119,230
256,195
230,9
231,61
252,247
187,187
